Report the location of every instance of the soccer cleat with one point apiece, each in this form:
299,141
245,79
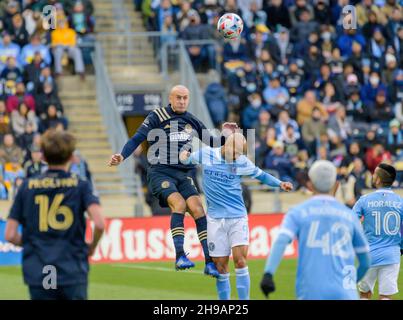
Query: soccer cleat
183,263
211,270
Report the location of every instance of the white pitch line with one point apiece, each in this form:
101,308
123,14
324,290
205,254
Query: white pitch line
143,267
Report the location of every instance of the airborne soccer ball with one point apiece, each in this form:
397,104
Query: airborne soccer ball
230,26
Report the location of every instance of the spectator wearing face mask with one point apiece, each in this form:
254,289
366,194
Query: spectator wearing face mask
369,91
250,115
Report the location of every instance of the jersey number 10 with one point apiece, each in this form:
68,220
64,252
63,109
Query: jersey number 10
48,215
385,223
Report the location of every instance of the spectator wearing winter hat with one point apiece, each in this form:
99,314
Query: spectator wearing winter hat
352,85
390,70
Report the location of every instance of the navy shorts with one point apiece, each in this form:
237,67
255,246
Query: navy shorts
163,181
71,292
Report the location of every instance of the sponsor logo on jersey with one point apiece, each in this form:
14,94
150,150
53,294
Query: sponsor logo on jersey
179,136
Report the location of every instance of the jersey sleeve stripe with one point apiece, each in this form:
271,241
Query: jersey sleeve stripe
166,114
287,232
158,114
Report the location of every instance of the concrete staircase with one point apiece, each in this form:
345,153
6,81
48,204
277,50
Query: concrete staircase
130,60
85,122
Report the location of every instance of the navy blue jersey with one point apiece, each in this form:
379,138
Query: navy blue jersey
50,207
168,133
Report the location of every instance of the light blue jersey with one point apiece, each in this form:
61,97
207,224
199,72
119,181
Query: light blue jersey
222,182
329,236
382,213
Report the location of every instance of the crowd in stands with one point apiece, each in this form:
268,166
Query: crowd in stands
310,88
32,56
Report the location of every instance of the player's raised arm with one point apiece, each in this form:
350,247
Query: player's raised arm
148,124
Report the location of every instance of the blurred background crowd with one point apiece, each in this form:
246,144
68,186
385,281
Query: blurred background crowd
310,88
32,57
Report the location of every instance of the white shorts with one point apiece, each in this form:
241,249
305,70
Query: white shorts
224,234
387,276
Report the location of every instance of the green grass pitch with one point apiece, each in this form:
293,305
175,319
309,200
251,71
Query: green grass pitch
159,280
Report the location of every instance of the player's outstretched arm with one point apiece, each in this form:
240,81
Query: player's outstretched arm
95,213
272,263
11,233
272,181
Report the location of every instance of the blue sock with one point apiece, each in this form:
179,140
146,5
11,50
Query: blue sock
201,225
178,233
223,286
243,283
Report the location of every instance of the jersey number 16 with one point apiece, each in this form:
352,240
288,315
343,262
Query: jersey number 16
48,215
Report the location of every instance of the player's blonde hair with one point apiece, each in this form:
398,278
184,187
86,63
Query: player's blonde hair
57,146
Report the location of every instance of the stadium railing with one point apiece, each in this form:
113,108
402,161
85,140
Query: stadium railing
117,133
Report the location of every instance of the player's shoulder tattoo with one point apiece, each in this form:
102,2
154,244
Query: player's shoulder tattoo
162,114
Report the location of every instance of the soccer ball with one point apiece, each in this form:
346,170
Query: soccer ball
230,26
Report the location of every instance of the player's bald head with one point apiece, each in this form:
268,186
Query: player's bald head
235,145
179,98
179,89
